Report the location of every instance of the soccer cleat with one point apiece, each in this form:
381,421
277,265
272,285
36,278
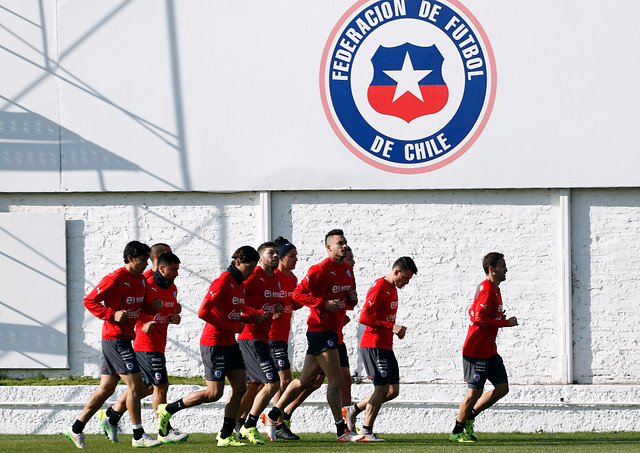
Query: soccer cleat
287,423
460,437
77,439
163,419
468,427
270,426
173,436
252,435
348,436
349,414
109,430
371,438
231,441
286,434
146,441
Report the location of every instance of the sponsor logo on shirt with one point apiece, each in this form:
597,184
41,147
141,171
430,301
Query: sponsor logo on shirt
237,300
337,288
134,300
394,304
235,315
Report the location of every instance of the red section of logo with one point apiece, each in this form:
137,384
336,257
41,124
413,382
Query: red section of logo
408,106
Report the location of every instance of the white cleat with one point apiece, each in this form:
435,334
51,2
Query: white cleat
173,436
145,441
348,436
77,439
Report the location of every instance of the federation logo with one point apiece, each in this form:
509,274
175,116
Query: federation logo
280,363
330,343
269,376
217,374
383,373
476,377
408,85
158,376
129,366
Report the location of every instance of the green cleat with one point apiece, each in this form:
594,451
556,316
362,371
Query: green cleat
252,435
231,441
460,437
468,427
109,430
163,420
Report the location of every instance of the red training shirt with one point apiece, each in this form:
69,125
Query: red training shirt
263,293
120,290
379,315
324,281
485,317
157,339
281,326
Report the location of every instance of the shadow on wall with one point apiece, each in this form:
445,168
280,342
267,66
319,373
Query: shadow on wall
31,142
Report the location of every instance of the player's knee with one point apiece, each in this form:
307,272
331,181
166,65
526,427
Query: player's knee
393,393
212,395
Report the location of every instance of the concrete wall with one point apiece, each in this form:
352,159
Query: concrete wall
447,233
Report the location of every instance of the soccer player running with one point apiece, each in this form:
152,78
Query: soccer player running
263,293
224,312
329,289
280,328
480,358
376,345
149,344
117,300
156,250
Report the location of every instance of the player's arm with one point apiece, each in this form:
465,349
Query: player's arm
483,307
368,315
94,300
303,294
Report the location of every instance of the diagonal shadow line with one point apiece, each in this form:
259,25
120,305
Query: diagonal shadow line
19,16
33,269
40,254
43,30
30,318
42,364
152,128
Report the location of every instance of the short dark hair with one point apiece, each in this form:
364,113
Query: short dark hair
491,260
246,254
168,258
135,249
335,232
159,248
266,245
405,263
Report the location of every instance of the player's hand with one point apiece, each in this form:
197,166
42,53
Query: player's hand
276,315
353,297
346,320
399,330
332,305
513,321
149,327
156,304
178,309
121,315
175,318
261,317
279,308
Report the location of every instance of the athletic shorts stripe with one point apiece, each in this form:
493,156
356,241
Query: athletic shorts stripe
118,357
260,365
478,371
381,365
219,360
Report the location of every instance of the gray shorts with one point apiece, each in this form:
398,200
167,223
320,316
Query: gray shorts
219,360
280,354
153,366
260,365
478,371
118,357
381,365
321,341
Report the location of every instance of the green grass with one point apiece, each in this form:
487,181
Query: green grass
494,443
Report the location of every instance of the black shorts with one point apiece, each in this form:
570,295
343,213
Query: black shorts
219,360
381,365
153,366
280,354
118,357
260,365
479,371
344,355
321,341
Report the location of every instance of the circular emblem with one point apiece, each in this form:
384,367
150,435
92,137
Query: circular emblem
408,85
158,376
330,343
383,373
269,376
280,363
129,366
476,377
217,374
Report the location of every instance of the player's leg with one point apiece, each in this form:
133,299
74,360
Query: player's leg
345,388
475,374
135,389
236,373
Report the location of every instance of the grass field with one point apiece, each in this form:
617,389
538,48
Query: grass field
404,443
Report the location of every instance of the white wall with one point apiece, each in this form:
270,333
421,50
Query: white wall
447,232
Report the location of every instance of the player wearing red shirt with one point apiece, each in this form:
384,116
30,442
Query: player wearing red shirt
223,312
160,308
376,345
329,290
156,250
117,300
480,359
263,292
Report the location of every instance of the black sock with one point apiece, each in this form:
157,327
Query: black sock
114,416
251,422
285,415
358,410
473,415
367,430
77,427
275,413
240,423
458,428
176,406
341,427
137,433
227,427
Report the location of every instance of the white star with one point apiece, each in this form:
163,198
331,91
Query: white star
407,79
